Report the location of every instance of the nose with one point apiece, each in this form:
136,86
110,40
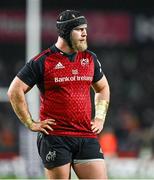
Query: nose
84,32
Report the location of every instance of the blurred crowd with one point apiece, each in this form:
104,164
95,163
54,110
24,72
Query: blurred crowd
9,132
130,118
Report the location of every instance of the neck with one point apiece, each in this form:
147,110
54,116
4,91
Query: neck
63,46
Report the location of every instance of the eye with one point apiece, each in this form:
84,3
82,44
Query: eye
77,29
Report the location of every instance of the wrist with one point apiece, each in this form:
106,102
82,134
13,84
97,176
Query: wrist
101,108
28,123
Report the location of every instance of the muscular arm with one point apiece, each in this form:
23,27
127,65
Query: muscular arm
16,94
101,88
102,98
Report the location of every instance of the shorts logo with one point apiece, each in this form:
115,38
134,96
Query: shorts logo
51,156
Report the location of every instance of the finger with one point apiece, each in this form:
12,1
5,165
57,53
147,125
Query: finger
48,127
53,123
44,131
95,129
98,131
49,120
93,126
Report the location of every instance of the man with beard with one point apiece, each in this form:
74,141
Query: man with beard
64,73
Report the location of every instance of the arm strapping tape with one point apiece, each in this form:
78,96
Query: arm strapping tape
101,107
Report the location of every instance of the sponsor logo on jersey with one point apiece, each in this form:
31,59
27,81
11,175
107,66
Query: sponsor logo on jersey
73,78
59,66
84,61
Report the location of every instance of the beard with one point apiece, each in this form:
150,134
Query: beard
79,45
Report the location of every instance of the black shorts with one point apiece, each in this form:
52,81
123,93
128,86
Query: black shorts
59,150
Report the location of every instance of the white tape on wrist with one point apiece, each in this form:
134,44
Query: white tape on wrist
28,122
101,108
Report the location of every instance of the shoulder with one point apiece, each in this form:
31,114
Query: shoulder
91,54
44,54
40,58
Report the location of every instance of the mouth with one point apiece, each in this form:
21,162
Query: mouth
82,40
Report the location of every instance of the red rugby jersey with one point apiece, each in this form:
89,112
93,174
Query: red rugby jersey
64,82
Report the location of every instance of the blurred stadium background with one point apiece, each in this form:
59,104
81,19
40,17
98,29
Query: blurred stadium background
122,35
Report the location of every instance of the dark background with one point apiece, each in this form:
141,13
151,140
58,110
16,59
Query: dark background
129,67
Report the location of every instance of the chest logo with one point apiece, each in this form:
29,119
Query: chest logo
59,66
84,61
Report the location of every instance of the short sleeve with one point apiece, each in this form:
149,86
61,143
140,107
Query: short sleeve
98,72
30,73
